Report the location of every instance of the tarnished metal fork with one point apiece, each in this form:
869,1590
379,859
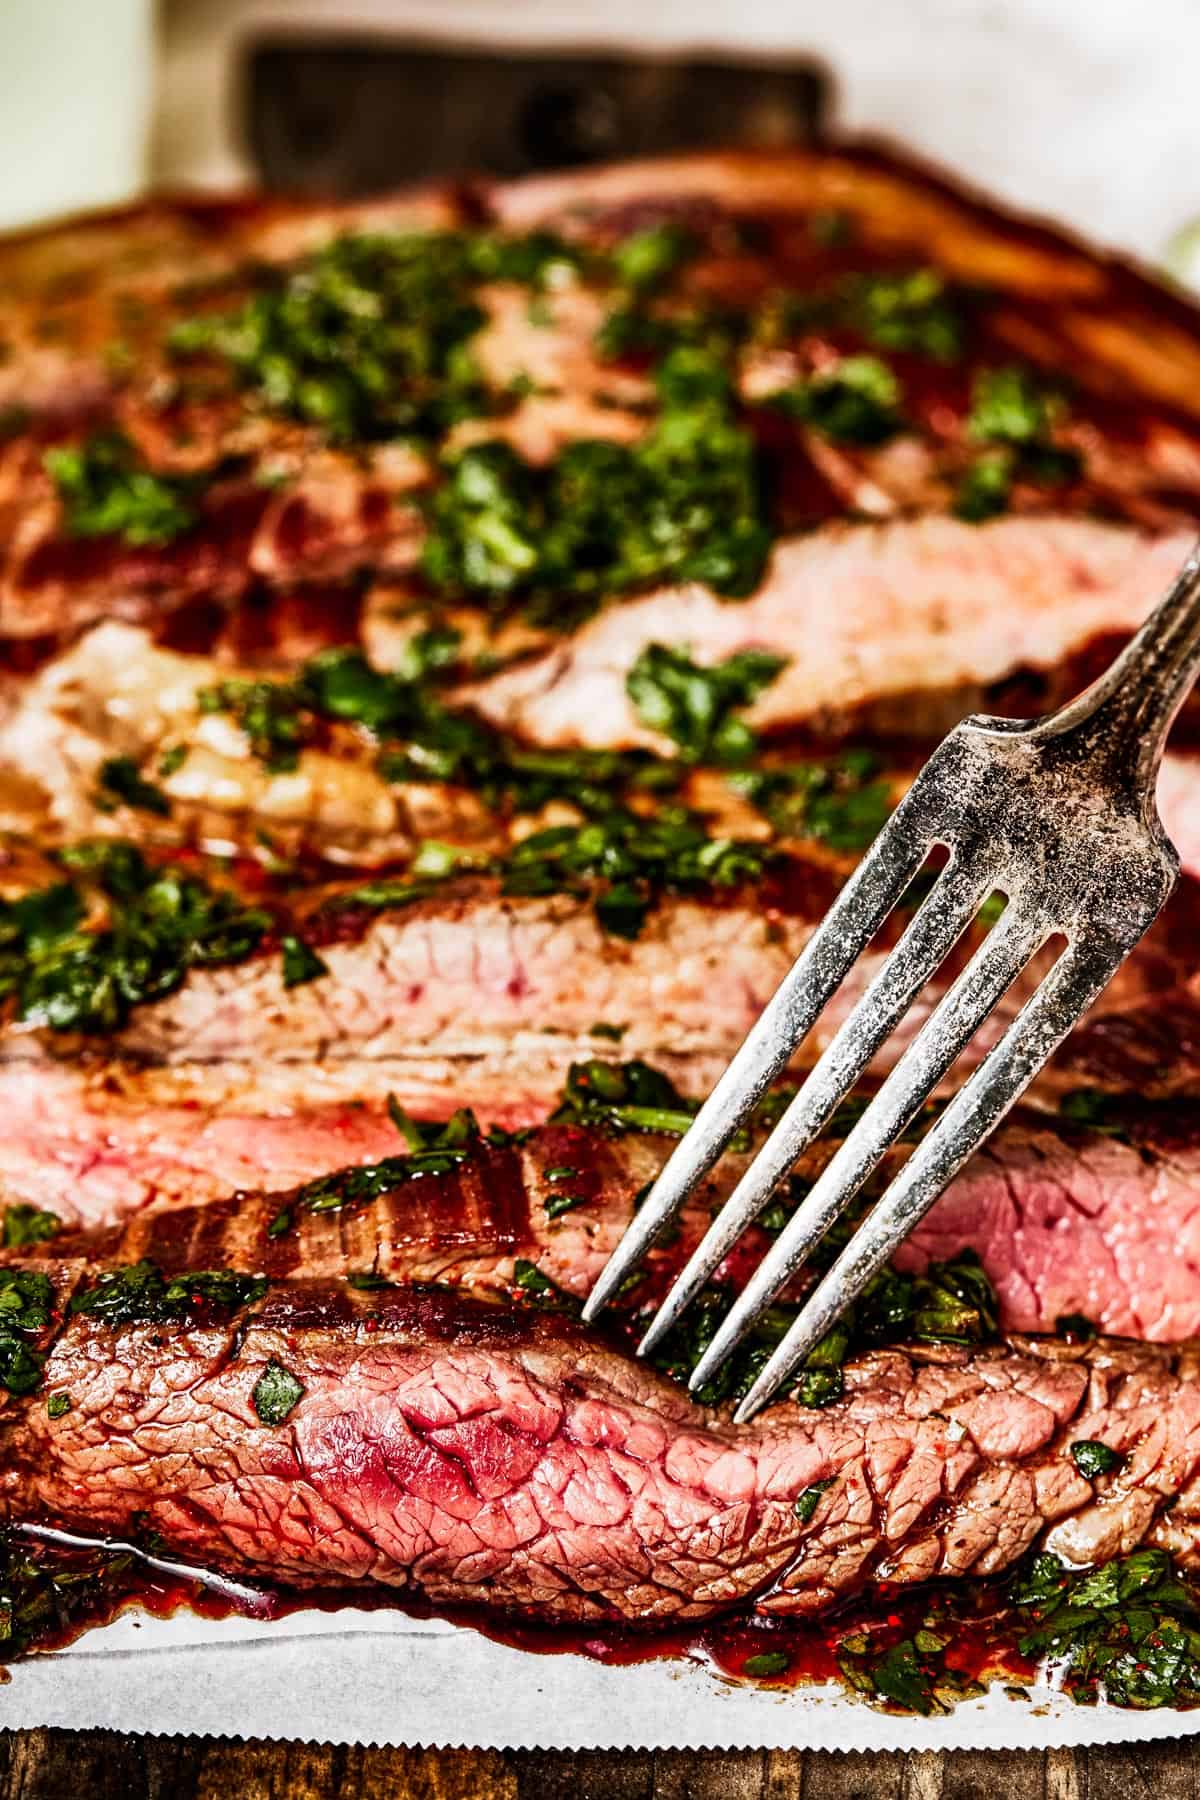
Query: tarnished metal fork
1058,815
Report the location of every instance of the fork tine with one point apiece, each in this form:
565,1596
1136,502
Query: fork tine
1080,974
839,940
935,928
945,1033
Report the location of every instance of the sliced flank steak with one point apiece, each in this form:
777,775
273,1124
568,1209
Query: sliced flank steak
472,1452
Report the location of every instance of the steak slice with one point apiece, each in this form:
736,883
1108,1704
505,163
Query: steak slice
472,1453
1066,1220
470,972
900,627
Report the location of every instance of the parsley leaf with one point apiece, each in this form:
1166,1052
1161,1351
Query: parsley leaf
300,962
139,1293
985,489
1132,1624
161,922
673,695
25,1225
121,782
843,802
912,312
805,1505
276,1393
1092,1458
630,1096
855,401
368,338
106,492
766,1664
683,504
26,1308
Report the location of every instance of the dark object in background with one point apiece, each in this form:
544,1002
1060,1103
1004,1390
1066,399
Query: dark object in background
355,118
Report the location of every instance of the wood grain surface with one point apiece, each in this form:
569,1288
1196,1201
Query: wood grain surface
87,1765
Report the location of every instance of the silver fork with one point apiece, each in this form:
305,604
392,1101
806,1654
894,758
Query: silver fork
1058,815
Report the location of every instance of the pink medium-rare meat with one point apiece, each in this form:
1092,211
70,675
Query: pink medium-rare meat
473,974
484,1455
1075,1222
869,617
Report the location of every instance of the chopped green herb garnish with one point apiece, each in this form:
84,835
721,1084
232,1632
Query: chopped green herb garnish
276,1393
1130,1627
300,962
281,1223
1075,1325
57,1405
614,1033
805,1505
843,802
637,859
26,1300
366,1281
26,1308
528,1279
269,712
649,257
766,1664
1098,1111
912,312
629,1096
428,653
412,1133
20,1367
121,783
984,491
436,1150
557,1204
42,1598
172,760
952,1302
696,706
682,504
368,338
1092,1458
25,1225
900,1676
1008,407
106,492
855,401
161,922
139,1293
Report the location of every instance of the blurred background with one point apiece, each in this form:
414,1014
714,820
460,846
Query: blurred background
1081,109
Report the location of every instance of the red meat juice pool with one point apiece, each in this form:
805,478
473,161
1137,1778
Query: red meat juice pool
106,1578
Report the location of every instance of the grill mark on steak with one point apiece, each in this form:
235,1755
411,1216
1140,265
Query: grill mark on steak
467,1227
475,1452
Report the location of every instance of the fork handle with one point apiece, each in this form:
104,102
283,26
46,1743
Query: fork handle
1120,723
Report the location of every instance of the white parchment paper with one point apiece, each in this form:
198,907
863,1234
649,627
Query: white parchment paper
378,1678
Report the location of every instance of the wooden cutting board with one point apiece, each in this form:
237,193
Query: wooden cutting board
71,1765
